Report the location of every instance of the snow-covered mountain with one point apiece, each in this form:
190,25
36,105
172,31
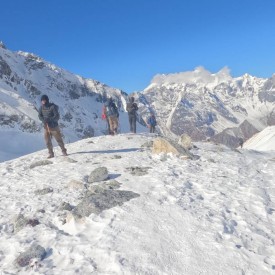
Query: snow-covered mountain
156,214
24,77
206,105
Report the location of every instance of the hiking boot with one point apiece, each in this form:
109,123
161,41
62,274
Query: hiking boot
50,156
64,153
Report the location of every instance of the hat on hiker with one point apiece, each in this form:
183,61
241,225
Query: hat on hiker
45,97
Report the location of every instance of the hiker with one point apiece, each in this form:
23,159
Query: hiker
49,115
132,114
112,115
104,117
151,123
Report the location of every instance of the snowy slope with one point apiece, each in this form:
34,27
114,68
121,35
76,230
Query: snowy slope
24,77
262,141
210,216
204,104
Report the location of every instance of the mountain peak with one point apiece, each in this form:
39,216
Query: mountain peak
199,76
2,45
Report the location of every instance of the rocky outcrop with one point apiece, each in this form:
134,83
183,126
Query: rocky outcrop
164,145
231,137
99,198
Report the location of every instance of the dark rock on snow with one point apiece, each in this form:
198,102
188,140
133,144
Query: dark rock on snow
99,174
34,252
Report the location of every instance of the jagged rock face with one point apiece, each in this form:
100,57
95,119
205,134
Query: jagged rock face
24,77
203,105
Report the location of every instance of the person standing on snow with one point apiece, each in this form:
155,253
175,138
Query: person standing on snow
132,114
151,123
104,117
49,115
112,115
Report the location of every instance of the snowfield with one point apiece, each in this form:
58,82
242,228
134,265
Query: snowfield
214,215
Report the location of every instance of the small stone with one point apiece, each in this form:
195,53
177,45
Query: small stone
34,252
43,191
147,144
69,160
99,174
19,222
138,171
117,157
65,206
185,141
40,163
111,185
33,222
75,184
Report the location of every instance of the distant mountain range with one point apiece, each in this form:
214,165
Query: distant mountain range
210,106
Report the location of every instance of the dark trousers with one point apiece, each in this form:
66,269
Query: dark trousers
152,129
133,123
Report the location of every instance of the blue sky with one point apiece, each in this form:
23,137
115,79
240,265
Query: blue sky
124,43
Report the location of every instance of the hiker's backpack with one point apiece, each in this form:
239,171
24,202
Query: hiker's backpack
152,121
132,108
111,109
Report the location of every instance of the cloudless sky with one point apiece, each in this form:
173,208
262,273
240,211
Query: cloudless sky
124,43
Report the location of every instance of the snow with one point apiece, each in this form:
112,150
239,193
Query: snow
200,76
262,141
210,216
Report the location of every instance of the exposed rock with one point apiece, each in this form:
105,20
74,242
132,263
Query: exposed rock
117,157
75,184
65,206
111,185
40,163
162,145
19,222
33,222
147,144
43,191
5,69
185,141
34,252
69,160
99,174
100,201
231,136
138,171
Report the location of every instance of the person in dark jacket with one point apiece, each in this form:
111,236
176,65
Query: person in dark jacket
132,114
49,115
151,123
112,114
